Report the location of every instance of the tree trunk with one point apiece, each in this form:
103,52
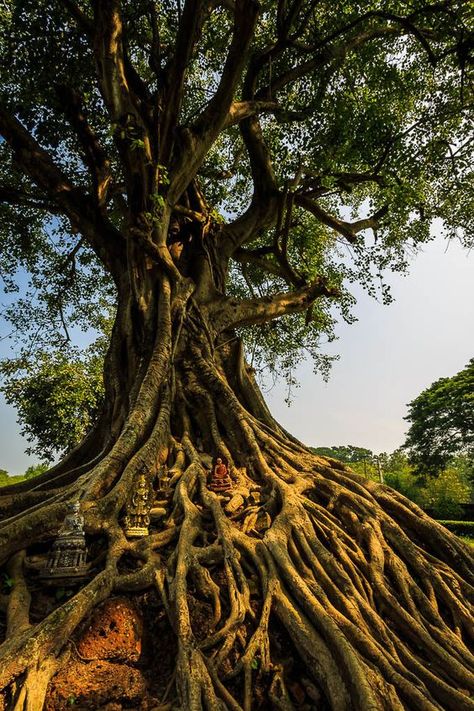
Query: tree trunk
308,588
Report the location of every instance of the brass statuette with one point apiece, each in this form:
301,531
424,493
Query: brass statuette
137,519
219,480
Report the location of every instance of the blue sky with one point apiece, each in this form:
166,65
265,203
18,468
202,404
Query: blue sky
386,358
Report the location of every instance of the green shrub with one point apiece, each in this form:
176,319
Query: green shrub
460,528
446,493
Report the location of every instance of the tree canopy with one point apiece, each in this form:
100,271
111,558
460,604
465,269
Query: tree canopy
325,141
442,422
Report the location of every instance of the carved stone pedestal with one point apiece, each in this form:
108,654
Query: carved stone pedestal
67,559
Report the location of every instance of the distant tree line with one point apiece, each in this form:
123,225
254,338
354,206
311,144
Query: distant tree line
446,494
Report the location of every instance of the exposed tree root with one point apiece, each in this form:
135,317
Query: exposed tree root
375,596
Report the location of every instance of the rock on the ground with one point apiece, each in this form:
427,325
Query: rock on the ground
114,632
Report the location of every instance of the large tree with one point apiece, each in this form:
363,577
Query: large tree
229,167
442,422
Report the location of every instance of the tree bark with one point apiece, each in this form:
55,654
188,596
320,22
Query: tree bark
372,598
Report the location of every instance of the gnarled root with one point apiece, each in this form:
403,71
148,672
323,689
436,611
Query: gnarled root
310,585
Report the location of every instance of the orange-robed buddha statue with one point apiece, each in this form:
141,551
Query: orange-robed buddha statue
220,481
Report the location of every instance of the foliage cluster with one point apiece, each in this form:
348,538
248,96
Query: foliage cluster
57,394
442,422
435,467
364,119
348,453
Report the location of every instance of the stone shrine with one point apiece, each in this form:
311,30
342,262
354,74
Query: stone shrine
67,558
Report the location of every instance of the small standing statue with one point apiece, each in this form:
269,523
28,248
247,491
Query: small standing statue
220,481
164,482
67,558
137,520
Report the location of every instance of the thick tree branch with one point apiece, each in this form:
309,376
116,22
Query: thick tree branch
211,120
126,110
231,313
265,206
262,214
158,253
154,59
80,209
190,26
281,237
240,110
138,86
263,175
349,230
251,256
110,57
15,196
197,140
38,163
84,22
263,210
94,155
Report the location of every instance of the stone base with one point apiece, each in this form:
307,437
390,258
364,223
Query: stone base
64,576
136,532
224,489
